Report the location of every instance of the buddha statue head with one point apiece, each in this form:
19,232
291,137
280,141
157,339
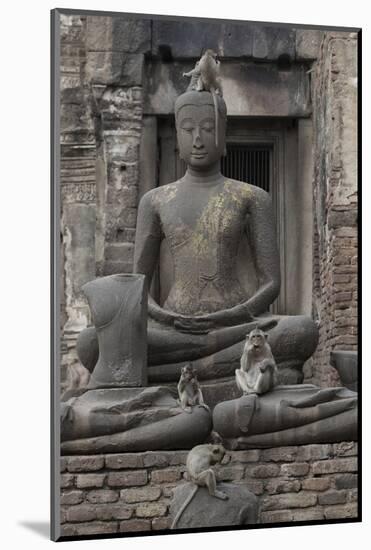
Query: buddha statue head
196,127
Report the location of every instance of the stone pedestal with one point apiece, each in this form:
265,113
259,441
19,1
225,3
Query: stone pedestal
204,510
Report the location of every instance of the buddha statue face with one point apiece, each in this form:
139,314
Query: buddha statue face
195,123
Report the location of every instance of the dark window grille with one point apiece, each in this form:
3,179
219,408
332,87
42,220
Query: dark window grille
249,163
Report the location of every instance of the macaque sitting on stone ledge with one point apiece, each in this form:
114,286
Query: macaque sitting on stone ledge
258,373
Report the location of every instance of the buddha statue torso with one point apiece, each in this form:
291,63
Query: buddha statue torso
203,224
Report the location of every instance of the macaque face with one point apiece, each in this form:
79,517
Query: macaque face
196,136
217,453
257,339
187,373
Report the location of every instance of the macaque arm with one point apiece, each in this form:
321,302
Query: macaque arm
245,361
200,398
181,386
191,72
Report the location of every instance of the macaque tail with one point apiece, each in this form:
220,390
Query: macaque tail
184,506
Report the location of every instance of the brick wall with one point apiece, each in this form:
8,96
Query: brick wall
334,94
132,491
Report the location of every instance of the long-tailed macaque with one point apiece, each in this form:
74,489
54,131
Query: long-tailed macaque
258,373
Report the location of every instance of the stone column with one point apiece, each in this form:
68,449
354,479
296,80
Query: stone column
115,66
77,184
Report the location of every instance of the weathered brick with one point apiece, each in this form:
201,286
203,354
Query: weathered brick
85,463
151,510
122,252
230,473
111,268
263,471
125,234
83,512
129,217
335,466
102,496
314,452
178,458
297,469
168,475
343,297
140,495
124,461
332,497
167,491
63,515
246,456
346,448
96,528
68,530
276,516
308,514
341,278
127,479
72,498
316,484
127,195
63,464
279,454
345,269
275,486
86,481
352,495
346,481
159,524
289,500
67,480
349,510
156,459
130,525
113,511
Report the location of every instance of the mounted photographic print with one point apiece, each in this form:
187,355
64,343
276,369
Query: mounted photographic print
205,263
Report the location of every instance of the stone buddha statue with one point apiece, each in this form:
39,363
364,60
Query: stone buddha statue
204,218
208,222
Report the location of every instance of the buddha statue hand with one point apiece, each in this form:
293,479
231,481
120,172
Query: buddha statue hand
194,325
237,315
183,323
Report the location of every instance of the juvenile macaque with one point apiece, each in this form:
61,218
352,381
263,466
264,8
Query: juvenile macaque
205,77
189,389
258,373
199,468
